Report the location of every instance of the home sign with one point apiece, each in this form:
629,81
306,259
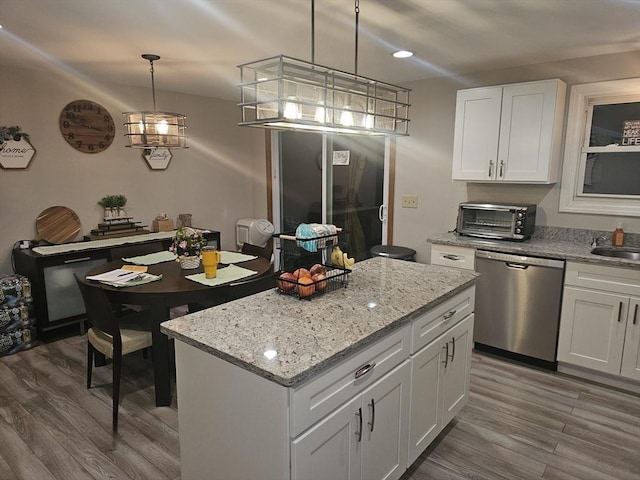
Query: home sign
16,153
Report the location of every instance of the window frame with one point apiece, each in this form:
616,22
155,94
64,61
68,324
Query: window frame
582,99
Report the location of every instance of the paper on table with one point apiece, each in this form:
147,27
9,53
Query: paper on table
140,279
124,278
152,258
225,275
135,268
234,257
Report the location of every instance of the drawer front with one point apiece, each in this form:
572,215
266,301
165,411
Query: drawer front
449,256
314,400
437,320
601,277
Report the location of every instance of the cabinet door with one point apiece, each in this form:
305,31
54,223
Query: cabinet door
456,369
477,126
592,329
330,449
631,352
425,397
386,424
525,150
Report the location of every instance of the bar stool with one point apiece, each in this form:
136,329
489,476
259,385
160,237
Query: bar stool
393,251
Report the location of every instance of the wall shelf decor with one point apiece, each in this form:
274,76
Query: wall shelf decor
157,158
15,149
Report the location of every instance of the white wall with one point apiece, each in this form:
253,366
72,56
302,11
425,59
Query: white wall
222,176
219,179
424,159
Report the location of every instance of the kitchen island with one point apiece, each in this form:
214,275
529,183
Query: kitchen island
270,386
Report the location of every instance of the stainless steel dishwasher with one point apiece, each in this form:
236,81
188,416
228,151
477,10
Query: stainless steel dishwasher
518,305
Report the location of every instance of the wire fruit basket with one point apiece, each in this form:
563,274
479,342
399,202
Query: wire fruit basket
297,285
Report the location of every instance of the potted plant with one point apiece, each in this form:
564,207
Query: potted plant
120,201
113,206
12,133
187,244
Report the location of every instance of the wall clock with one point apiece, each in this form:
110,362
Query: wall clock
87,126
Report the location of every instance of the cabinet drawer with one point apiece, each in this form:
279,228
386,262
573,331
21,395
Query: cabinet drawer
312,401
437,320
450,256
613,279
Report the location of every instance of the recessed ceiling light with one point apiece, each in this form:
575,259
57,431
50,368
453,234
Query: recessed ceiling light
403,54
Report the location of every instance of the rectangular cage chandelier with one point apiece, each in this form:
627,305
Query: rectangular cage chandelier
290,94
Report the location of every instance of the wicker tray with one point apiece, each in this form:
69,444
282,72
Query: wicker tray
336,278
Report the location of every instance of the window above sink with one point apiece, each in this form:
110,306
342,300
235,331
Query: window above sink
602,149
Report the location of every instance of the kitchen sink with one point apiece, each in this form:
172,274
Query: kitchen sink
620,252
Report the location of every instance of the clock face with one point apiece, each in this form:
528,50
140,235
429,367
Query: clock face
87,126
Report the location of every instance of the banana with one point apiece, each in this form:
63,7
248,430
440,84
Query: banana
341,259
337,257
348,262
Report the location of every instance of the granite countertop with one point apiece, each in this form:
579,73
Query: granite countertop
309,336
550,242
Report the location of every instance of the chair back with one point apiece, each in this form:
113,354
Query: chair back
264,252
245,288
99,310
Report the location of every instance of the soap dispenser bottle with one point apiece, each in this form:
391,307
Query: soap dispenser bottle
617,239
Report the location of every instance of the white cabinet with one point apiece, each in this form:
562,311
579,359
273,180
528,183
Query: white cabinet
452,256
440,384
510,133
600,322
364,418
365,438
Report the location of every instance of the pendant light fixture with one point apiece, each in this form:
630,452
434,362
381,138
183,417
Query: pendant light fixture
290,94
155,129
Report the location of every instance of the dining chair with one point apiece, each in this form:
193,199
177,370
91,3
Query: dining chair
265,252
113,336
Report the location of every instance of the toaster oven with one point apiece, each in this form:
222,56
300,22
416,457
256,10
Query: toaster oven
496,220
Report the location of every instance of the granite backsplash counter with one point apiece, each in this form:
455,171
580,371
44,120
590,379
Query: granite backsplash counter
550,242
287,340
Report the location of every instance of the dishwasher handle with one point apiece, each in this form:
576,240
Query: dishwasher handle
518,266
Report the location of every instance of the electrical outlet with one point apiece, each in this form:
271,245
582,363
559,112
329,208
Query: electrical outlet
409,201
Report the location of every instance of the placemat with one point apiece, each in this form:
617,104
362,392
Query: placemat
225,275
152,258
234,257
108,242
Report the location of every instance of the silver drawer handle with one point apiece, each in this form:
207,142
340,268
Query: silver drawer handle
76,260
448,315
362,371
455,258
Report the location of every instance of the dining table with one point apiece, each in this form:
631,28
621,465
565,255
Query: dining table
174,289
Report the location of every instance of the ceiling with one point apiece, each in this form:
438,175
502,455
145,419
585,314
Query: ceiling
201,42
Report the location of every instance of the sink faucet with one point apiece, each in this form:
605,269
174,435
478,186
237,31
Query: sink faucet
595,240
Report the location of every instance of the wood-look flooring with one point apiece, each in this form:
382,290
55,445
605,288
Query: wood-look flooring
520,423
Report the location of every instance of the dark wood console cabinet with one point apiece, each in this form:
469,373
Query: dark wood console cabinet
56,297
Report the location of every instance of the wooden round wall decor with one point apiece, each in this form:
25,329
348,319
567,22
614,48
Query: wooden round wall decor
87,126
